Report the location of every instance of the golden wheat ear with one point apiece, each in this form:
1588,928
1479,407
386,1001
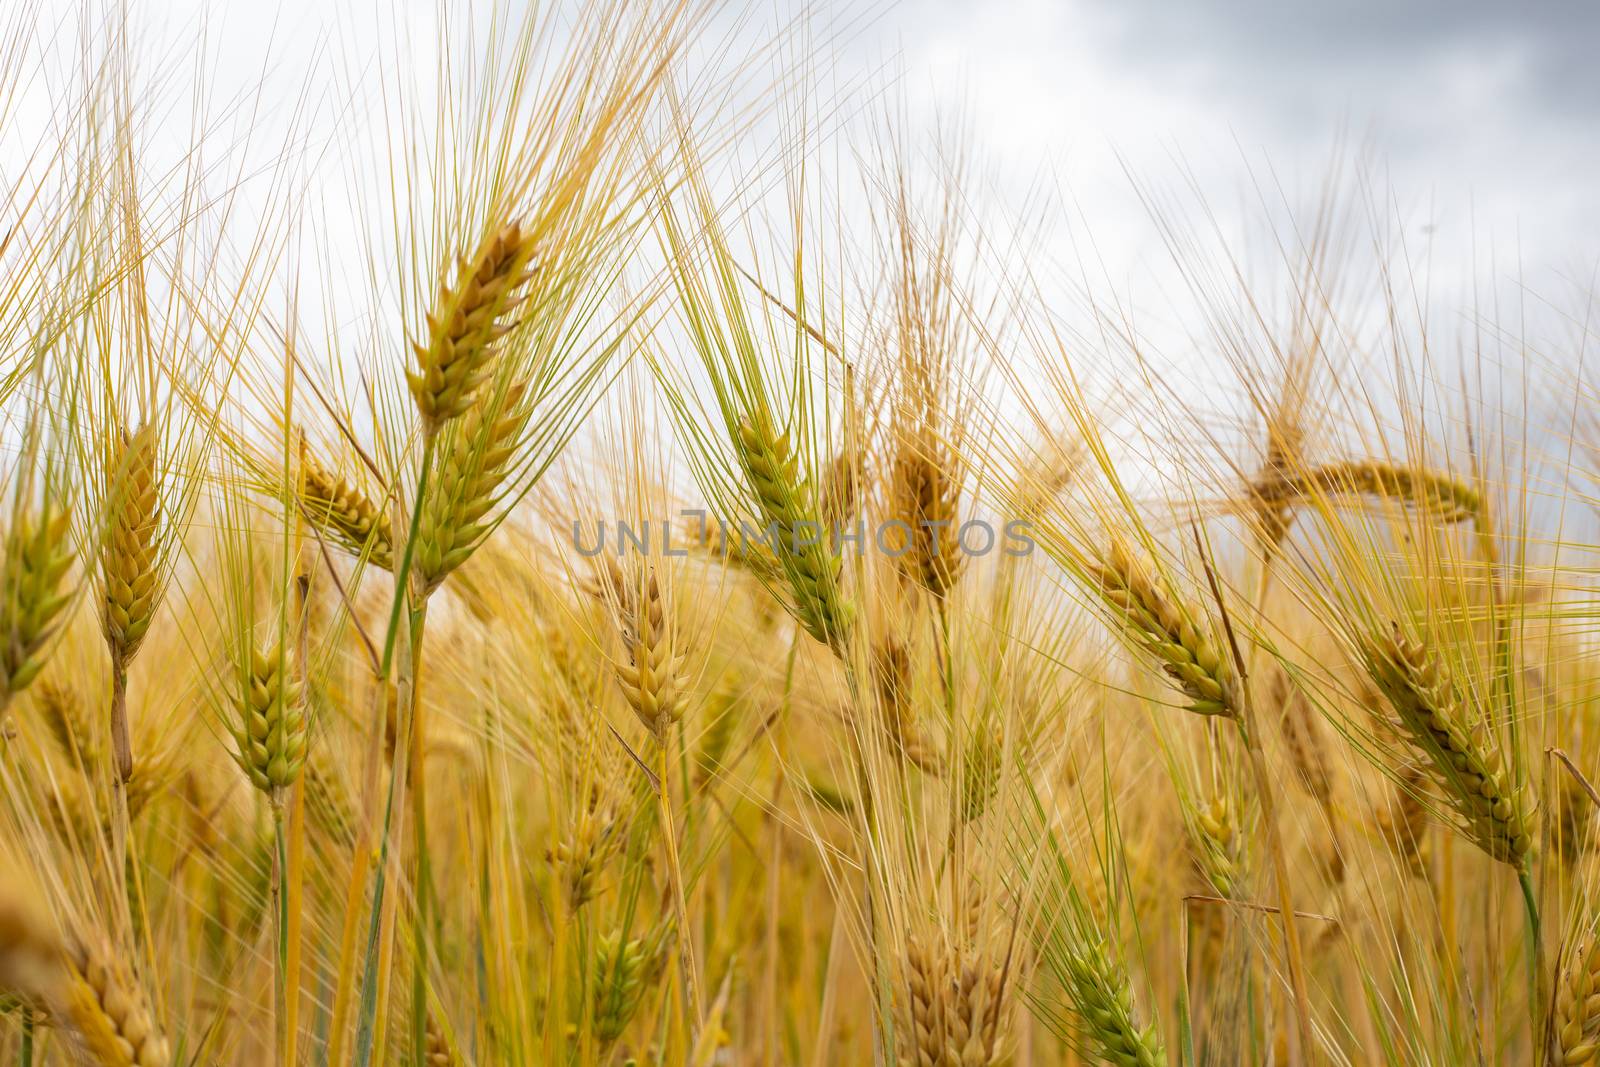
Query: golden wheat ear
273,721
1169,631
1466,765
477,458
467,323
344,513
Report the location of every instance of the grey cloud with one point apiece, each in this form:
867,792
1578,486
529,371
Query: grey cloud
1314,49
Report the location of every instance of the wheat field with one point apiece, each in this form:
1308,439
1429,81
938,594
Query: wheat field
601,593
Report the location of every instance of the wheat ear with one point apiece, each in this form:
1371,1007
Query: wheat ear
31,599
471,471
926,496
130,567
109,1011
1430,713
624,970
271,733
1169,632
1446,497
954,1009
1104,1003
1575,1016
345,514
787,509
467,323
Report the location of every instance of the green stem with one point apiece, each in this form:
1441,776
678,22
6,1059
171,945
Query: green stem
422,928
281,891
669,836
1530,906
26,1058
369,978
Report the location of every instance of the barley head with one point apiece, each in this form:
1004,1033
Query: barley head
952,1013
37,559
1104,1006
471,471
109,1012
1575,1017
1169,632
786,508
926,501
271,734
130,558
467,324
1467,767
624,970
652,679
345,514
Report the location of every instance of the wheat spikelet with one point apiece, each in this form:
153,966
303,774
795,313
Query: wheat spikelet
784,502
652,678
1215,843
130,559
67,719
841,488
1574,821
1104,1006
1300,738
109,1012
1445,497
925,500
437,1051
31,598
345,514
953,1009
1169,632
980,774
1403,822
1430,712
624,970
271,735
467,324
891,675
1575,1015
329,805
471,470
594,837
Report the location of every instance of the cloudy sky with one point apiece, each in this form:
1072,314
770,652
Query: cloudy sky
1479,122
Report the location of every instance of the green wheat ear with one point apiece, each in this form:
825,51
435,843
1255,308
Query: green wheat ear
37,558
786,506
272,730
